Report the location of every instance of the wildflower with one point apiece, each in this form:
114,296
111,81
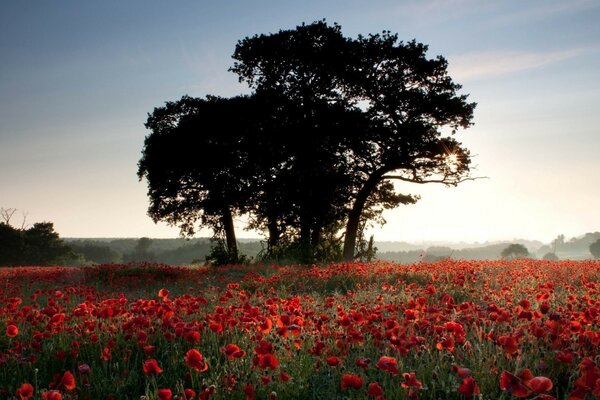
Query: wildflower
468,388
375,390
460,371
540,384
389,364
189,394
194,360
165,394
333,361
411,381
151,367
25,392
513,384
68,381
232,351
52,395
267,361
351,381
12,331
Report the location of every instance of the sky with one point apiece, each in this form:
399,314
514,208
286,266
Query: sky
78,79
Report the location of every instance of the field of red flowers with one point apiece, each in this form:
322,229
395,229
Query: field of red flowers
448,330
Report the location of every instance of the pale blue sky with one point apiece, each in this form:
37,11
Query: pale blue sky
78,78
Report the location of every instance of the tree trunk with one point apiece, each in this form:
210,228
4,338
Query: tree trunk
355,214
229,229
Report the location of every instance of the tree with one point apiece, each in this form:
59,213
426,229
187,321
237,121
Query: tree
192,162
515,250
550,256
39,245
595,249
406,98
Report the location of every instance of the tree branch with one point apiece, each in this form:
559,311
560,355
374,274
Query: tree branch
444,180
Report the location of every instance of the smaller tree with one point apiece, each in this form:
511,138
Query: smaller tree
550,256
595,249
515,250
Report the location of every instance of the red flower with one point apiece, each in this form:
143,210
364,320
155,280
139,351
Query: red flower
249,391
540,384
375,390
151,367
410,380
351,381
163,293
52,395
25,392
189,394
268,361
389,364
513,384
68,381
460,371
363,362
165,394
333,361
232,351
468,387
12,331
84,369
194,360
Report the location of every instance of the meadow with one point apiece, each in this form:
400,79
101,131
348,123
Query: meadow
447,330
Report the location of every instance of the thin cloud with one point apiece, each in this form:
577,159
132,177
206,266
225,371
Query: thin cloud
491,64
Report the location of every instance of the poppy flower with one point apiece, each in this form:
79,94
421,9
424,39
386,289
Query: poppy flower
84,369
249,391
540,384
351,381
189,394
68,381
25,392
460,371
333,361
52,395
374,390
232,351
151,367
163,293
468,388
389,364
165,394
513,384
12,331
363,362
267,361
410,380
194,360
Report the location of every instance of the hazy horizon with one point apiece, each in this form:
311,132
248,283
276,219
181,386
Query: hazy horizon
78,79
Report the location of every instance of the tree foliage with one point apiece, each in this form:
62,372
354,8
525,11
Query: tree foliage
595,249
332,121
515,250
38,245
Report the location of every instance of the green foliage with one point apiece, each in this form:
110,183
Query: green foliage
38,245
515,250
595,249
550,256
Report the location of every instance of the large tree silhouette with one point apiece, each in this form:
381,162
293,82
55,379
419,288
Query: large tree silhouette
406,98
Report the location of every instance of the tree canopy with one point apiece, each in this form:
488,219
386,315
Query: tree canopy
515,250
595,249
313,151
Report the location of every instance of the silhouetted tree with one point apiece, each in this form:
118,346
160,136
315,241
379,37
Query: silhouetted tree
515,250
38,245
595,249
405,97
550,256
193,165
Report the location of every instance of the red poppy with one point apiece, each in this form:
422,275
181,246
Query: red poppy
513,384
460,371
468,387
163,293
165,394
12,331
333,361
363,362
189,394
375,390
25,392
410,380
52,395
351,381
68,381
232,351
389,364
267,361
540,384
151,367
84,369
249,391
194,360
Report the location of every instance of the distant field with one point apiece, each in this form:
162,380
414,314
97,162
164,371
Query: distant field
446,330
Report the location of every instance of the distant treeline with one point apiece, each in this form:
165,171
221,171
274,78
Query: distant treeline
575,248
166,251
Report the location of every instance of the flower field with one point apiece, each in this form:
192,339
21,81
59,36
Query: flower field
447,330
